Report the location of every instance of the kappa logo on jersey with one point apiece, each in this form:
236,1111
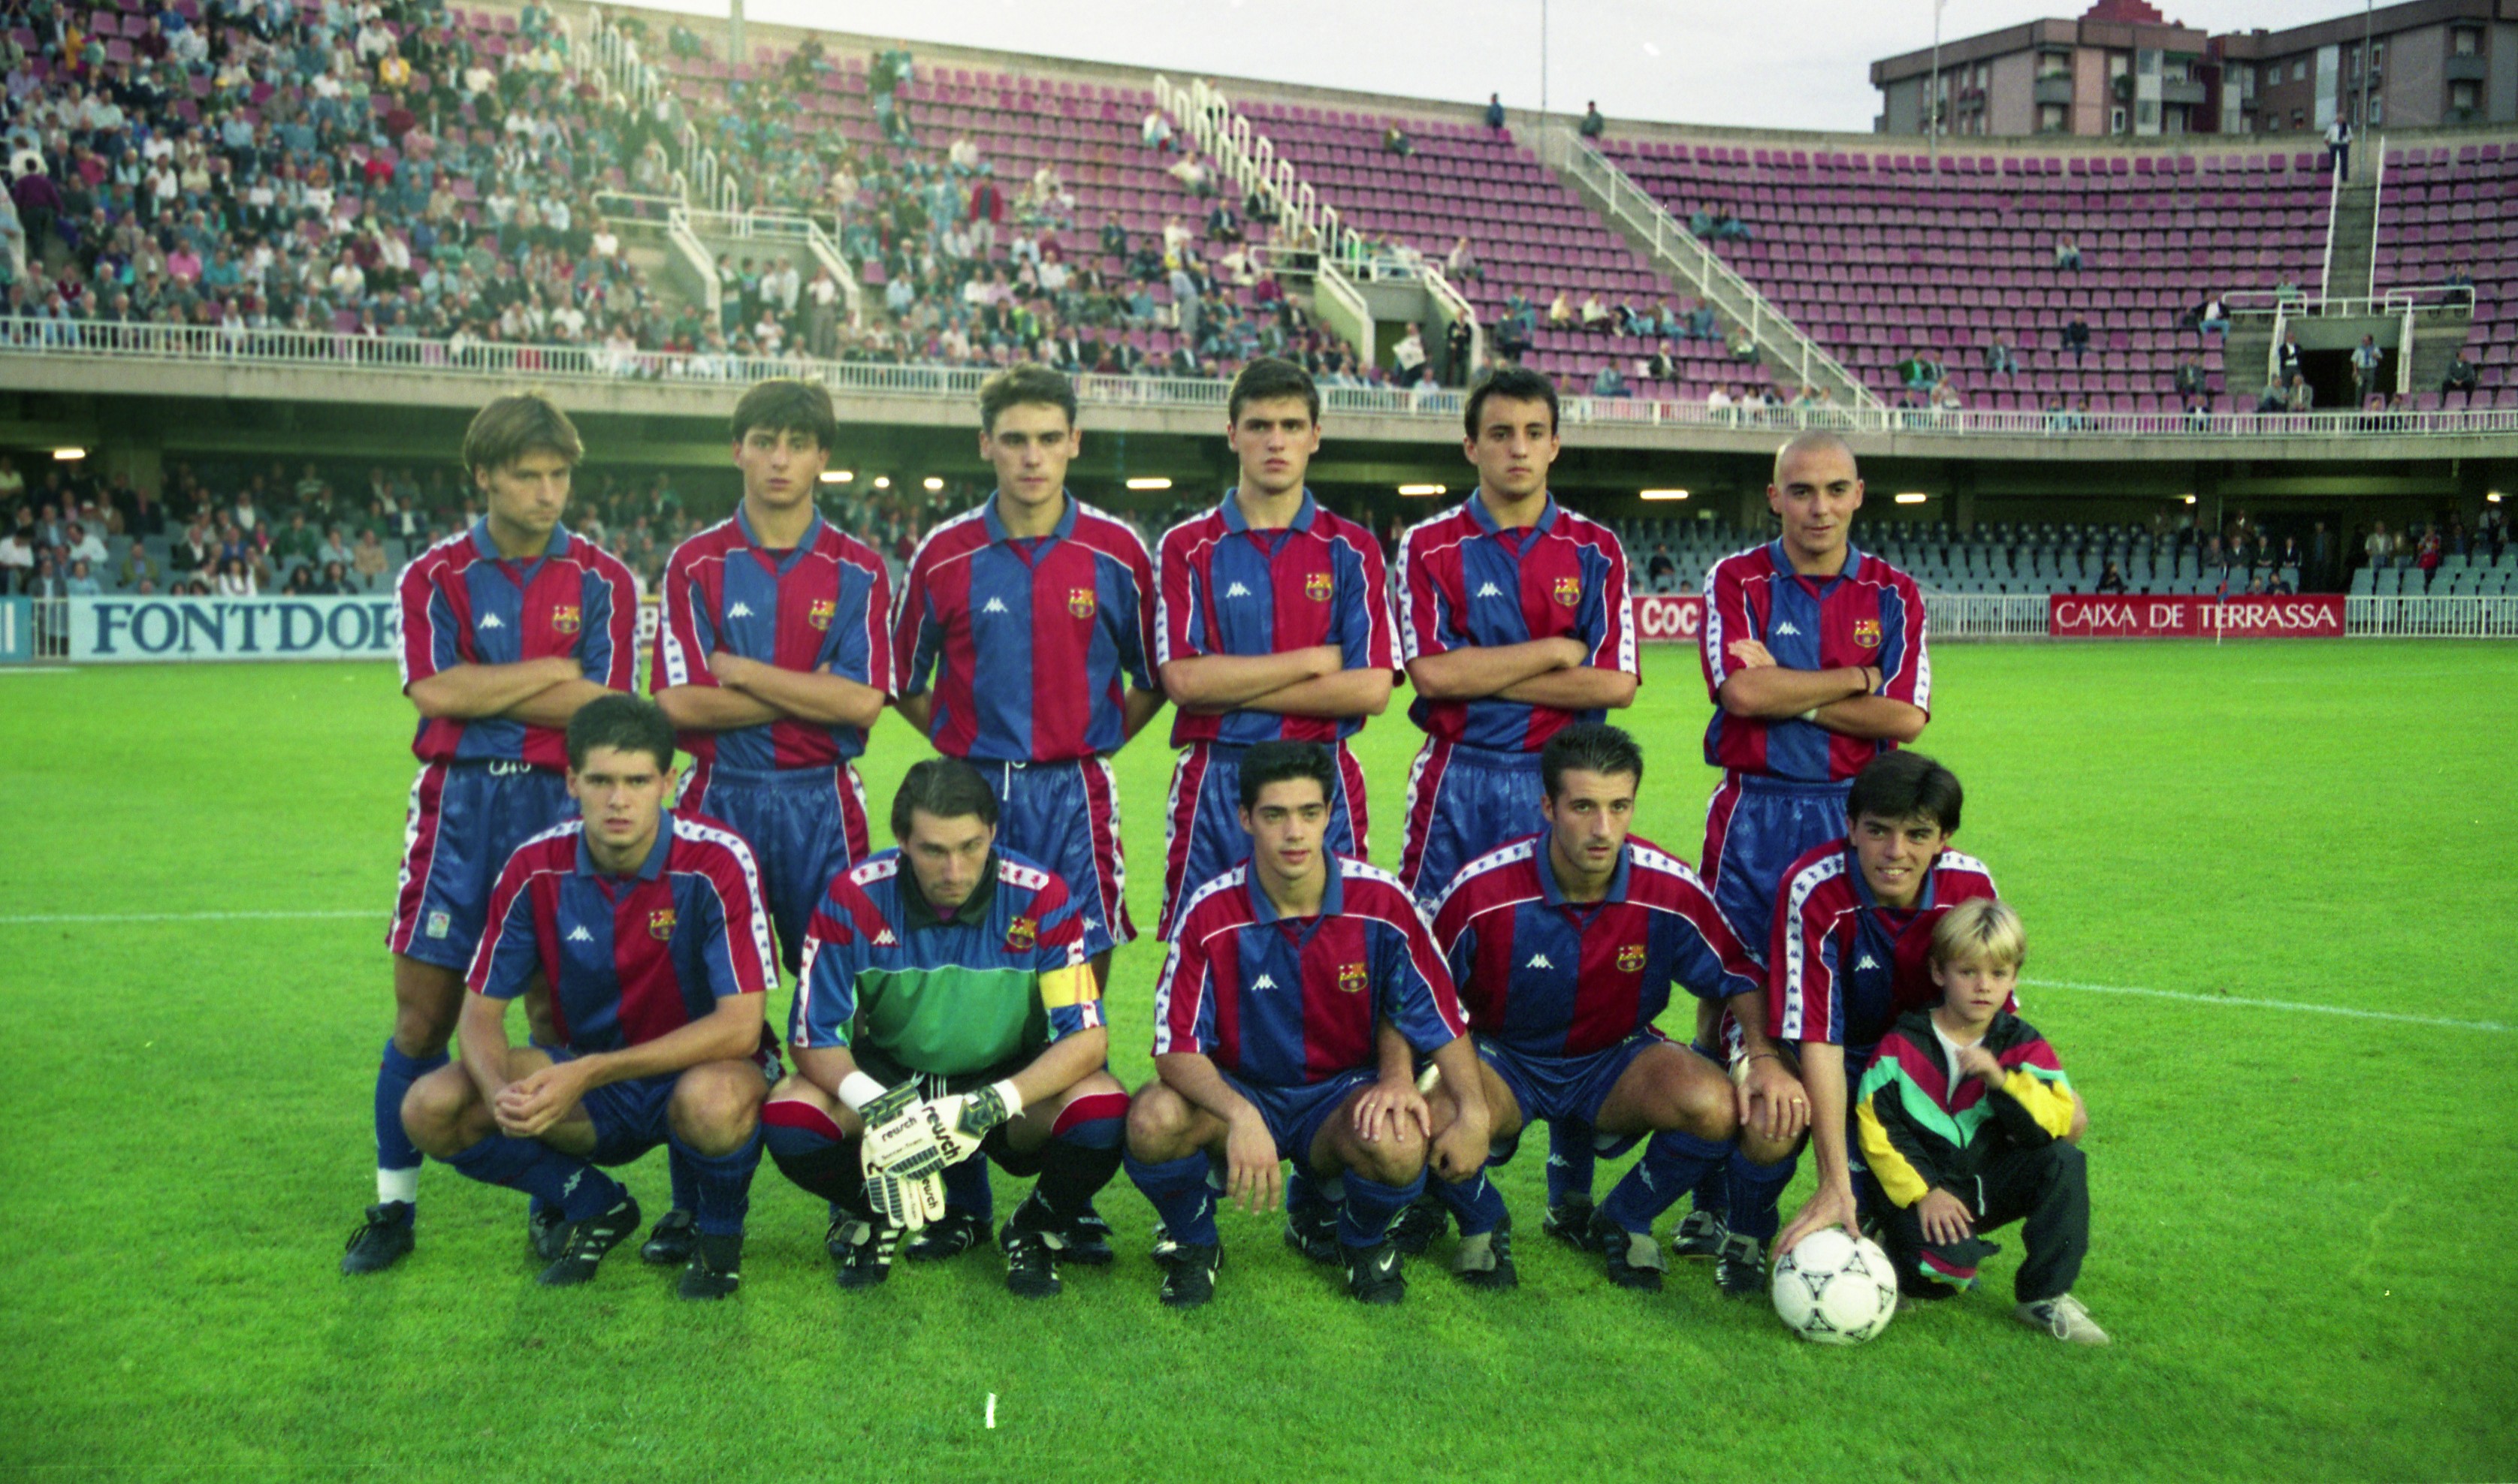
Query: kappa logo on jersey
1351,978
1079,601
995,605
1020,934
739,611
1538,961
820,615
660,923
565,621
885,939
1237,590
1786,629
1265,982
1318,586
1488,590
1630,958
579,934
1866,632
492,620
1866,961
1569,591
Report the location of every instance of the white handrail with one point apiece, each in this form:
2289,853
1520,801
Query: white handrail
2334,203
2377,198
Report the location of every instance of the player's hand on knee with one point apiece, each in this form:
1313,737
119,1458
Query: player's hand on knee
1250,1160
1772,1102
527,1108
1395,1105
1944,1216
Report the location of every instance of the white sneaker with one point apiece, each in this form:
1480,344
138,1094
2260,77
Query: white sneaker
2065,1319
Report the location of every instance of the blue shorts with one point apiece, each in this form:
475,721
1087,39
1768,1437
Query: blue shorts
1755,828
1203,837
633,1116
1066,816
1296,1115
1461,803
1554,1088
465,820
804,826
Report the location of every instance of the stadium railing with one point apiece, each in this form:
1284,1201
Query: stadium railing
333,351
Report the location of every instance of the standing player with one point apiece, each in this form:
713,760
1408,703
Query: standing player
648,932
1281,973
1815,660
1023,645
1272,622
1514,625
773,659
1565,945
506,630
948,972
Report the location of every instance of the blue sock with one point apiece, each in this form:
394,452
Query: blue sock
722,1184
579,1189
1475,1201
1713,1192
1673,1161
394,1075
1569,1161
1302,1191
1757,1191
1177,1190
686,1185
966,1188
1365,1219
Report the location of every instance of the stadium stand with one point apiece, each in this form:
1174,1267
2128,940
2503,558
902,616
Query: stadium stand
2445,217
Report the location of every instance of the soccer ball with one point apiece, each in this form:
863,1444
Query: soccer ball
1834,1289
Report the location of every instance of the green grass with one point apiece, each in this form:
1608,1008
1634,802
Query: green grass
2303,1220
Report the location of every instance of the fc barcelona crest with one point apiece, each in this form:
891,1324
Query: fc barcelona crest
1351,978
1630,958
821,613
1079,601
1318,586
1569,591
565,621
1866,632
1021,934
660,923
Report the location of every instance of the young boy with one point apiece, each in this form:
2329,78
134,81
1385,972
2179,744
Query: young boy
1965,1117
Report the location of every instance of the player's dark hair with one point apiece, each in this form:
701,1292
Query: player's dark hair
1275,762
785,404
627,723
1906,785
1520,384
515,425
1026,385
1269,378
1594,746
946,787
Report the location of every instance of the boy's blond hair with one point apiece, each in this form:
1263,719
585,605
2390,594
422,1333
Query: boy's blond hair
1982,931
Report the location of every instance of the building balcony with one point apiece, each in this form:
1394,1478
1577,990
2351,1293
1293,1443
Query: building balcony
2053,90
2184,92
2466,69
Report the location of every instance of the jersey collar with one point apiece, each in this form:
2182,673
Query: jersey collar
812,532
1783,562
481,542
1065,527
1332,896
1554,894
1478,512
648,869
917,912
1237,522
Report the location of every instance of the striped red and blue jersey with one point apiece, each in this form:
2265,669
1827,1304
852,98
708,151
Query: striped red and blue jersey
465,604
997,979
1843,967
1869,614
1464,580
627,959
1549,977
1031,642
1288,1002
823,605
1222,588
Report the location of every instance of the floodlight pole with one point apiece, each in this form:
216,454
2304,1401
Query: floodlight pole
1543,64
1931,96
734,33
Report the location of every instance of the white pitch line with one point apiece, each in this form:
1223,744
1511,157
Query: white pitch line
2267,1004
183,917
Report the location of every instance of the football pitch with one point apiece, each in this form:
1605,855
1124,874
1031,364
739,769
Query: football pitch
2271,897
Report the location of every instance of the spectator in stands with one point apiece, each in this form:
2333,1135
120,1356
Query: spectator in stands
335,582
40,204
1919,371
16,560
2210,318
368,560
2111,580
1408,354
1742,345
2301,396
1662,566
1461,264
1223,223
335,549
2189,378
1728,226
1947,399
2365,357
235,578
1155,133
2460,381
1664,365
1609,382
987,212
1998,358
2076,336
2068,254
1593,125
85,545
1192,173
2379,547
2276,398
2457,276
2427,555
1395,141
1594,312
1560,310
1718,404
1495,112
2338,146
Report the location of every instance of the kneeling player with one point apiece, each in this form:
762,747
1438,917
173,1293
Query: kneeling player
650,933
1565,944
948,1008
1965,1117
1279,973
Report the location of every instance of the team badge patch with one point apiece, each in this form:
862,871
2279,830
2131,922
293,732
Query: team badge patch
1079,601
821,613
1569,591
564,620
1630,958
1020,934
1351,978
660,923
1318,586
1866,632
